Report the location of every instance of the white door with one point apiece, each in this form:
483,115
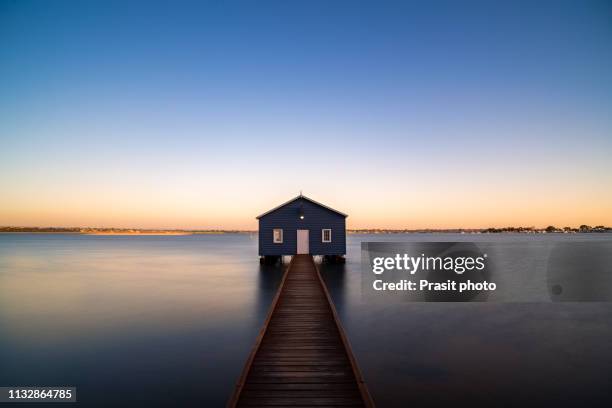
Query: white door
302,242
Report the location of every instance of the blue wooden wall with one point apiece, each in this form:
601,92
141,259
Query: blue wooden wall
315,219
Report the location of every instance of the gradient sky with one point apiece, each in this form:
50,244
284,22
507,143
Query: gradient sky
403,115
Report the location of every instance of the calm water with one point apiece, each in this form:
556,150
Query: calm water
169,321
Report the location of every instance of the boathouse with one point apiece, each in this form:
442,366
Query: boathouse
302,226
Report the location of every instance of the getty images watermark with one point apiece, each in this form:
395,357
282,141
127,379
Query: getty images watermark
486,271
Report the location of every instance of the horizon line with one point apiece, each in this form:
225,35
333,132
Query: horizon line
8,228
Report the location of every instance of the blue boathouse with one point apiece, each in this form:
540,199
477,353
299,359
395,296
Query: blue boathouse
302,226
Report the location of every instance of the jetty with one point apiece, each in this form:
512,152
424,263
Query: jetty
301,356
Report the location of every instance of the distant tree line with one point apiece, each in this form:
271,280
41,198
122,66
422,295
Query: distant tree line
89,230
78,230
491,230
551,229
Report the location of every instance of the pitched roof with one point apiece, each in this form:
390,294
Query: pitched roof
305,198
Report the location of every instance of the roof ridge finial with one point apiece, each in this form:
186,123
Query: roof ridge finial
301,193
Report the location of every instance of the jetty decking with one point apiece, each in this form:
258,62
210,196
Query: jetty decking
301,356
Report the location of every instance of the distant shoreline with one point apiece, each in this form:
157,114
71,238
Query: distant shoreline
136,233
151,232
98,233
13,230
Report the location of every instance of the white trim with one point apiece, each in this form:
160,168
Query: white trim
279,241
323,235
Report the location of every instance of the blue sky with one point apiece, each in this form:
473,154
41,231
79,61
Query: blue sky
411,114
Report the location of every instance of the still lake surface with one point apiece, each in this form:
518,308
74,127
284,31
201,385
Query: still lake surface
170,320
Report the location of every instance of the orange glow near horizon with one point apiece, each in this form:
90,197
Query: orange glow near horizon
425,210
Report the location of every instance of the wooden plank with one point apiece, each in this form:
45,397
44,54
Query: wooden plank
301,380
301,386
365,393
333,392
302,401
243,376
301,356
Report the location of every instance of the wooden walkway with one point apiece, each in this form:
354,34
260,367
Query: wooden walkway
302,356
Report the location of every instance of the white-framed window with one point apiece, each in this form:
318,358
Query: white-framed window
326,235
277,235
